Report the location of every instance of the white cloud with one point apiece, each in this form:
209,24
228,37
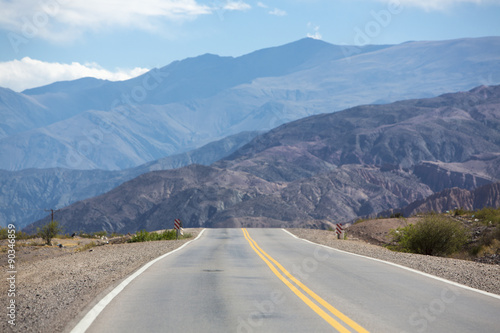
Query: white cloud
316,34
26,73
63,20
438,4
236,5
220,7
277,12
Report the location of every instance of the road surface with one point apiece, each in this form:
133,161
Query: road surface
265,280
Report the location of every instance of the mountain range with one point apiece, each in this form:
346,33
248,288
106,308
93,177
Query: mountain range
96,124
73,140
316,171
26,195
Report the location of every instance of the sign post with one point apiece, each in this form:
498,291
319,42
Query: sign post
178,227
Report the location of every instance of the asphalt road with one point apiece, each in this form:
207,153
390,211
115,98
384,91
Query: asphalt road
265,280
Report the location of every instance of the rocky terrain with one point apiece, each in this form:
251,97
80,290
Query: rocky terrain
25,194
316,171
57,286
450,199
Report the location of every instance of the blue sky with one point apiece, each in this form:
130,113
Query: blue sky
42,41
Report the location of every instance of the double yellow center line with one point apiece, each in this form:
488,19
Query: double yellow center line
274,266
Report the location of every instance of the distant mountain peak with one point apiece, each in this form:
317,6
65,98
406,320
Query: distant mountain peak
309,41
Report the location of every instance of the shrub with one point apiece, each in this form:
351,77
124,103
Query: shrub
434,235
144,236
4,233
489,214
49,231
19,234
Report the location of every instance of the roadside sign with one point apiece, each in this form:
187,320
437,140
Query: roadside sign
339,230
177,224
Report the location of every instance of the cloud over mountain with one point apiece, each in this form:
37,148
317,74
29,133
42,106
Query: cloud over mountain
27,73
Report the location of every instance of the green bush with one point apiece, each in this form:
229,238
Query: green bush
4,232
144,236
49,231
435,235
489,215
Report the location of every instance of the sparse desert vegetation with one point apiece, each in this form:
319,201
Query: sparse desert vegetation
434,235
144,236
473,235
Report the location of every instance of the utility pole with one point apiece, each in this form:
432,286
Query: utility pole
52,213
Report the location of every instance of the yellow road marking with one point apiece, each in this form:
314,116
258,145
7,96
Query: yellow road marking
264,256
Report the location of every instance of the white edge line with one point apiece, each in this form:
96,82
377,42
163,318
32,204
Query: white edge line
89,318
456,284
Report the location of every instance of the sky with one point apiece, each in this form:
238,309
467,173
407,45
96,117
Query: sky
43,41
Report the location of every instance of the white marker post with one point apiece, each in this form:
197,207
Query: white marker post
339,231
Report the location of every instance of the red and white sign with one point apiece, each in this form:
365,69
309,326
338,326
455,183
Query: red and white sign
177,224
338,229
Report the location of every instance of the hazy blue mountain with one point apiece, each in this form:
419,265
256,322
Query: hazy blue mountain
97,124
19,113
316,171
25,194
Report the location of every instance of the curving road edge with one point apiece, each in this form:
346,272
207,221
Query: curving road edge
401,266
89,318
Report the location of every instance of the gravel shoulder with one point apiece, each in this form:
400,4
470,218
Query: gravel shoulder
56,287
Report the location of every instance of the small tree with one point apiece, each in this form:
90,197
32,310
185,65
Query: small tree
49,231
434,235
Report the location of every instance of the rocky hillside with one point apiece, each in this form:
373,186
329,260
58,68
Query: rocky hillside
196,192
25,194
315,171
452,128
213,197
453,198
